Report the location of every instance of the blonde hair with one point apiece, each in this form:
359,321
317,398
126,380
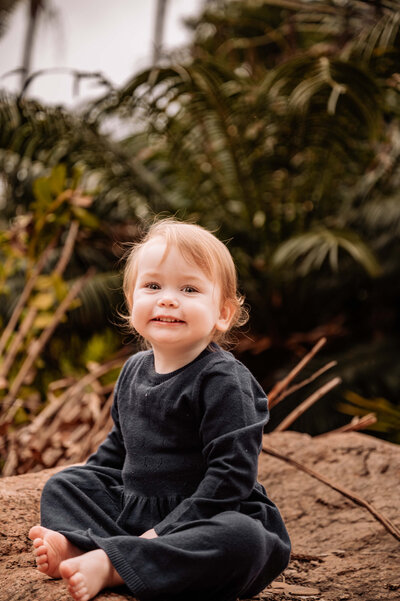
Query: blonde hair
198,246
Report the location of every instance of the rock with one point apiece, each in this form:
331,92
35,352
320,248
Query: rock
339,550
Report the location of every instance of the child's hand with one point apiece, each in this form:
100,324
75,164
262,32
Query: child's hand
149,534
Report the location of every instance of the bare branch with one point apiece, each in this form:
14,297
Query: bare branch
37,345
390,527
357,423
67,249
17,341
288,421
25,295
280,386
295,387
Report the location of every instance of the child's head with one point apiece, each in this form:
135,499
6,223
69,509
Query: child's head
197,246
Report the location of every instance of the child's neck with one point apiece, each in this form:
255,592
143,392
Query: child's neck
167,362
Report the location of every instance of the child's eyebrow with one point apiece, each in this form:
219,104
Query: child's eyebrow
149,274
183,277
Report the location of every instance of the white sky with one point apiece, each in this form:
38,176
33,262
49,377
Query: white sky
111,36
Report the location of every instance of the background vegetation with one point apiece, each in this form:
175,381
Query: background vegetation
278,127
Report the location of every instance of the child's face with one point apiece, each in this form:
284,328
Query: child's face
176,307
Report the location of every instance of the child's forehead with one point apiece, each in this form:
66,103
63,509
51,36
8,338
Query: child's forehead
156,251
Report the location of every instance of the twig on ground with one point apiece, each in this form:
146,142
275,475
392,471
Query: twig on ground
71,394
390,527
357,423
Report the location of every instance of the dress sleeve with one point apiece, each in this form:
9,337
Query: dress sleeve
233,412
111,452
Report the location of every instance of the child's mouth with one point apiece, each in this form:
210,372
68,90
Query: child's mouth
167,320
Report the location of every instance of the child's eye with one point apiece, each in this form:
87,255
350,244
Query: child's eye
189,289
152,286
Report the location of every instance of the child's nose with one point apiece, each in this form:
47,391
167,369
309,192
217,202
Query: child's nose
168,301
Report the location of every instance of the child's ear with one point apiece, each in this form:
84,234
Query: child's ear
225,317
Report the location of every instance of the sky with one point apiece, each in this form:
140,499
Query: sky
114,37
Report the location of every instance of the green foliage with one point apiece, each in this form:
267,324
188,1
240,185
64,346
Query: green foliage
38,249
310,250
388,414
278,128
100,346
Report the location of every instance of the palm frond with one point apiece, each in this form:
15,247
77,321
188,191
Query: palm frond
307,252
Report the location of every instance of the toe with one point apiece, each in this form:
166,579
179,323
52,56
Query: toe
41,559
67,569
42,550
38,542
35,532
77,588
76,581
78,592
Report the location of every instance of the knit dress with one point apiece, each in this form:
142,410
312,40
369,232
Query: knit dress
181,458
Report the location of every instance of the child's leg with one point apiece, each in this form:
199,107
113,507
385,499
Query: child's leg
218,559
73,501
80,500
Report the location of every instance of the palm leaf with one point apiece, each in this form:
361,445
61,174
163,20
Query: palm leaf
309,251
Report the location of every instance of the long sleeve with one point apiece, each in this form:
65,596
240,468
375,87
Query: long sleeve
232,413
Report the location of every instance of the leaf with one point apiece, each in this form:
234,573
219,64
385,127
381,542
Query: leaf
42,192
60,287
43,301
57,179
43,282
388,415
307,252
21,416
85,218
43,320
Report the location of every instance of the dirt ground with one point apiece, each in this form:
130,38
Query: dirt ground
340,552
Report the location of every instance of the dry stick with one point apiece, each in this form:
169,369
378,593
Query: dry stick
285,423
16,343
301,384
67,401
74,391
280,386
390,527
357,423
63,383
100,424
67,249
28,320
25,295
38,345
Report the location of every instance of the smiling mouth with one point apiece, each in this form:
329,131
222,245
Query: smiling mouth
167,320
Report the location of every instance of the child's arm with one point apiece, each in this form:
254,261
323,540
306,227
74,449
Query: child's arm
233,413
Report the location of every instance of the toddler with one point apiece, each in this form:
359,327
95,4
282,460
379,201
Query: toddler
169,505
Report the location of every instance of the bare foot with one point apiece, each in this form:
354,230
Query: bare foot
50,549
88,574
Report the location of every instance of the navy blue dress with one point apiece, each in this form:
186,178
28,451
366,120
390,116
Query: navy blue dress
181,458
